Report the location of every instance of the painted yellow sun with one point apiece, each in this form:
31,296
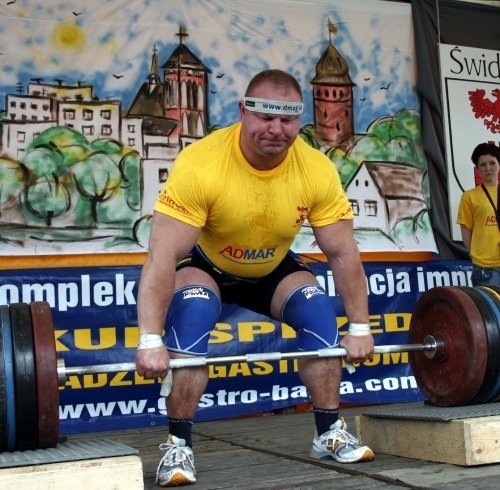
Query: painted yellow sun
68,36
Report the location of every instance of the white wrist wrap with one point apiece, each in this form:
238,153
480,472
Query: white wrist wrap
359,329
150,341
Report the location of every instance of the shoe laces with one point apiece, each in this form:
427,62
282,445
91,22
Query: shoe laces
174,455
338,435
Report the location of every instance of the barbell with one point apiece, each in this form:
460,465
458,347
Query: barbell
429,345
454,354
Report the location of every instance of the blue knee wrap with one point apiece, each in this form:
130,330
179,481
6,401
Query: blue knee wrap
311,313
192,315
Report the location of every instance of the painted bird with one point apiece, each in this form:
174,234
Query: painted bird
486,109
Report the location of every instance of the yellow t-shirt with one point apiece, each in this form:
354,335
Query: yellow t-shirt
477,214
249,218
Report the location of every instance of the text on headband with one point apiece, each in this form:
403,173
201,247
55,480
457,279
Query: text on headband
276,107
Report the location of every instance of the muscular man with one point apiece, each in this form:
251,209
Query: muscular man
478,217
222,230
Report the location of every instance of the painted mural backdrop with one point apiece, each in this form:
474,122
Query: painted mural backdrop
99,98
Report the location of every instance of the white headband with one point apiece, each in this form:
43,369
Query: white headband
277,107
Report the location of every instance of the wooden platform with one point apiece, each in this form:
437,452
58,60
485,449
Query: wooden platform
470,442
270,452
95,474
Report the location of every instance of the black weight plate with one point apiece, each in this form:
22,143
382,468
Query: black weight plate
8,409
3,391
493,299
490,318
24,377
46,374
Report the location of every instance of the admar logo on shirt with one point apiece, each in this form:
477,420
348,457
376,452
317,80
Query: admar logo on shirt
247,253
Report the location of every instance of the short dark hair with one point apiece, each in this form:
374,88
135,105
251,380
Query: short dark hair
485,149
275,77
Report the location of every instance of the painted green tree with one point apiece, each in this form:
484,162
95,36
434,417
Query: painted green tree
12,182
97,178
67,188
47,199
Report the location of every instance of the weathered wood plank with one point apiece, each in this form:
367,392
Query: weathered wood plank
465,442
119,473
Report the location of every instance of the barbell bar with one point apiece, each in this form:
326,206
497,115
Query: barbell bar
429,345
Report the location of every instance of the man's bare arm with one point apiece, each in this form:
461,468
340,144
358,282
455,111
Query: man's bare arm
337,243
170,240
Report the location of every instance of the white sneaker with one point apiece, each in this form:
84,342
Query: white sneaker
338,444
177,465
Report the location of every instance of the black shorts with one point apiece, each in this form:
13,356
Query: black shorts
254,294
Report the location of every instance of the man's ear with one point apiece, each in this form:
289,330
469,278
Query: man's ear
241,107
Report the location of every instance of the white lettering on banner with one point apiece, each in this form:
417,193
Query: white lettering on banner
224,398
85,291
391,384
66,295
389,284
430,279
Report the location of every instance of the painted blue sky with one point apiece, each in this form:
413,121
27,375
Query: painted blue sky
91,41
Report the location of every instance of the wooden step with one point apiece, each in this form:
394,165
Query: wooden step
122,472
465,442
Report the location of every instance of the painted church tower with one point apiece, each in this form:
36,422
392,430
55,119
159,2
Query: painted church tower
186,90
332,97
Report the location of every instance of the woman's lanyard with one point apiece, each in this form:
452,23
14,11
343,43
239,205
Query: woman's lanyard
495,208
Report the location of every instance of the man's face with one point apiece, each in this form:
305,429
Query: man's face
269,135
488,167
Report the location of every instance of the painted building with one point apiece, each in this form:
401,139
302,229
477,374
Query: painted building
94,119
186,92
332,97
174,114
382,194
48,105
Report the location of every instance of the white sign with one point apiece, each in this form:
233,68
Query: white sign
470,85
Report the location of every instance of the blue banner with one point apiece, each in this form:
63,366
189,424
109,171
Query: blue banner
95,319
